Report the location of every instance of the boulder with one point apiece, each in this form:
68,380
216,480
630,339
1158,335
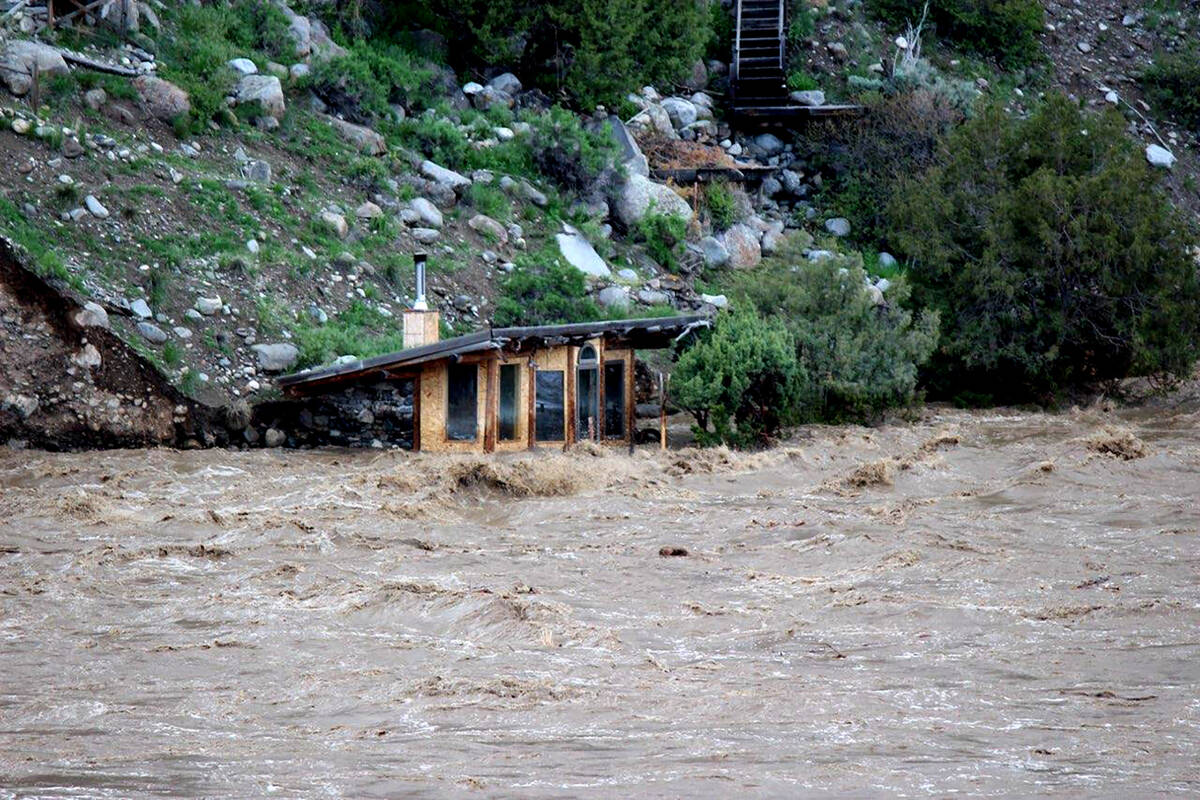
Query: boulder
161,99
209,306
334,222
426,235
427,212
151,332
243,66
838,226
490,97
368,211
613,297
579,253
274,437
489,228
1160,157
742,243
140,309
276,357
444,177
507,83
92,315
768,144
265,91
653,297
715,300
772,240
682,112
639,194
812,97
653,119
88,357
363,138
888,261
19,59
95,207
714,252
95,98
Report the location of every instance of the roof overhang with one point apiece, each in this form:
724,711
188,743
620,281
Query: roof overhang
635,333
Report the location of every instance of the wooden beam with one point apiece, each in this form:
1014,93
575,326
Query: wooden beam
570,433
491,405
630,396
531,402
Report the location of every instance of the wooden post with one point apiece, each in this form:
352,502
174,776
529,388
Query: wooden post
571,428
531,422
491,404
630,401
663,381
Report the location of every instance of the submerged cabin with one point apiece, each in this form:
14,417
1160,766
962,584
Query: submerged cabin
507,388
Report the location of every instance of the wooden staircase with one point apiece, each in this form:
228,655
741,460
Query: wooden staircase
758,80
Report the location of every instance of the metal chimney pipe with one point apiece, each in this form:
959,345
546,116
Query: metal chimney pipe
420,304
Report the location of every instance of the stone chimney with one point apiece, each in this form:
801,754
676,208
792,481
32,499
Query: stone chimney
420,323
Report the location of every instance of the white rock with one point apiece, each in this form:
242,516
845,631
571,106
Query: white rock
838,226
276,357
445,177
427,212
1160,156
717,300
742,242
639,195
264,90
243,66
95,207
92,315
579,253
208,306
141,309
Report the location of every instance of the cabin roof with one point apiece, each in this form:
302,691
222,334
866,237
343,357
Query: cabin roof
656,332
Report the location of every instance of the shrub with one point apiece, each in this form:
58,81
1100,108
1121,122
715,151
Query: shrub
663,235
1052,255
1004,30
897,138
722,208
542,290
359,331
861,358
592,49
361,84
1171,83
206,37
740,381
566,152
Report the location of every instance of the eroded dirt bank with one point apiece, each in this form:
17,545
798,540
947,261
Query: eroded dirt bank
993,603
68,382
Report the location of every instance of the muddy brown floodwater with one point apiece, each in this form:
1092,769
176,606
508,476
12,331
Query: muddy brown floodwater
979,603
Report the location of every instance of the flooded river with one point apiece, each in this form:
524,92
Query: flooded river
978,603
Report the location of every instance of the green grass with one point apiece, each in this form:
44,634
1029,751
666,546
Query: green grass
42,252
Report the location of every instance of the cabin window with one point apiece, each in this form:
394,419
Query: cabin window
614,399
549,402
462,393
587,408
510,391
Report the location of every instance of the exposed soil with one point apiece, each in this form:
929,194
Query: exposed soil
66,386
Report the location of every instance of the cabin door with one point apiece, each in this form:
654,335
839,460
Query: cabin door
587,394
